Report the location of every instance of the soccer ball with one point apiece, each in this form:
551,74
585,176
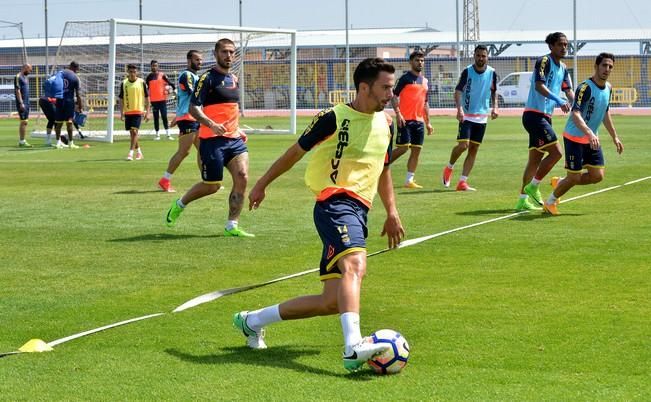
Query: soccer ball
168,90
393,360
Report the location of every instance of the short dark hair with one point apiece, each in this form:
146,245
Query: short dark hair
132,67
74,65
554,37
604,55
151,63
191,53
416,53
368,70
223,41
481,47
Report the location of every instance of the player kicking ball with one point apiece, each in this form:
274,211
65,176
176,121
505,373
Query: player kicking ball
582,145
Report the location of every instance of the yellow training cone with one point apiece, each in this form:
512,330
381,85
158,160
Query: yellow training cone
35,345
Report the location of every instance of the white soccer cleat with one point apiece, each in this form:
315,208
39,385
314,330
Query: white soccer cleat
357,355
254,340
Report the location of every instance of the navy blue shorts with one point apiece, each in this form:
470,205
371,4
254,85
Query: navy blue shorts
580,156
187,126
48,109
216,153
24,115
539,127
65,110
341,224
471,131
411,134
132,121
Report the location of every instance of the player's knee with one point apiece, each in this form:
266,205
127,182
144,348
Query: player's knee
353,265
462,146
596,177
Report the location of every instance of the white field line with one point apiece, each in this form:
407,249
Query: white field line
92,331
217,294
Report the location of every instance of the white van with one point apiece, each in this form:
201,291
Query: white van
513,90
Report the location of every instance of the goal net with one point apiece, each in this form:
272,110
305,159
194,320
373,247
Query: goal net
265,66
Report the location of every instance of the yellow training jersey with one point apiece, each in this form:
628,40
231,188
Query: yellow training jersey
133,96
353,148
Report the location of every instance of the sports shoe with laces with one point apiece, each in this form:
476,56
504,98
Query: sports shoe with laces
254,340
412,184
463,186
237,232
173,214
359,354
130,157
157,138
447,176
533,192
166,185
139,156
60,145
169,137
73,146
551,209
525,205
24,144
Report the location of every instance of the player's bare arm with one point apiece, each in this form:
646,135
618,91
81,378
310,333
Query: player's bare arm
392,225
280,166
201,117
608,123
581,125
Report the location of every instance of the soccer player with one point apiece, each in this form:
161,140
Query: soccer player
65,106
21,92
350,164
47,103
549,77
476,89
157,82
412,113
134,104
581,136
221,142
188,125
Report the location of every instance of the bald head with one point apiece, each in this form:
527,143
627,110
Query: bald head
27,69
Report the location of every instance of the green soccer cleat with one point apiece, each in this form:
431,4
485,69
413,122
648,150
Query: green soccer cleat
533,192
254,340
24,145
525,205
237,232
173,214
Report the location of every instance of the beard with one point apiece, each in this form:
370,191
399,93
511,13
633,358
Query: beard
223,64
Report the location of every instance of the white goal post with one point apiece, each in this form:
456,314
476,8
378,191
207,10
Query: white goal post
266,67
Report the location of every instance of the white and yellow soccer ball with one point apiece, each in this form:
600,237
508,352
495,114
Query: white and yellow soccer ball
393,360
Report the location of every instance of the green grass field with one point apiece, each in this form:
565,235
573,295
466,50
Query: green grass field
530,308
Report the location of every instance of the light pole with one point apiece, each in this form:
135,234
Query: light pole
47,67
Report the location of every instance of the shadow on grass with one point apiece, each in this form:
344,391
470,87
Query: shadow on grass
480,212
130,192
280,357
418,192
162,236
102,160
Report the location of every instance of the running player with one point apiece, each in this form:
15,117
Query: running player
349,166
157,82
21,92
134,104
188,125
548,79
582,145
473,95
221,142
65,106
412,113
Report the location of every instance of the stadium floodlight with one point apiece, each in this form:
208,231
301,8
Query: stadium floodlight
265,66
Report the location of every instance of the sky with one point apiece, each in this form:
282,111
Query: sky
311,14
